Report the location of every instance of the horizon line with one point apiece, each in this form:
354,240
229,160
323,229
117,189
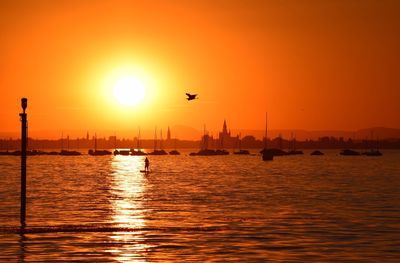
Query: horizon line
63,134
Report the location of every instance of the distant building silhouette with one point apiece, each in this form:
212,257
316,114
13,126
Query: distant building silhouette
224,132
225,139
168,134
250,141
207,141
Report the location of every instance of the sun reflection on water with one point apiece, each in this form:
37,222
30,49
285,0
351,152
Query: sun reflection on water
127,195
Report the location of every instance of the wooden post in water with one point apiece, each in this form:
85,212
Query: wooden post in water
23,115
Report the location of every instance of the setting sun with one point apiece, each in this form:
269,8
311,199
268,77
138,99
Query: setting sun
129,91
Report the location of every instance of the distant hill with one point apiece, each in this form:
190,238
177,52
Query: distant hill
379,132
185,133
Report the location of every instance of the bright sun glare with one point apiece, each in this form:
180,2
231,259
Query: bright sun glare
129,91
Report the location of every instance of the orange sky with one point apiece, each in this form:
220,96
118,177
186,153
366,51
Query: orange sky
312,65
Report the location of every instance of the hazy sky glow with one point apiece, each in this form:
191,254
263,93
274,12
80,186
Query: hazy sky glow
312,65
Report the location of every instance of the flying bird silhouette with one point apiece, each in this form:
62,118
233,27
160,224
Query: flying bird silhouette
191,96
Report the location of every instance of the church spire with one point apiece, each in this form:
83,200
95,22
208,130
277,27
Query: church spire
224,128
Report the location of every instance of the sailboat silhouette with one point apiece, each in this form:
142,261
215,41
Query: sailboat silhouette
266,154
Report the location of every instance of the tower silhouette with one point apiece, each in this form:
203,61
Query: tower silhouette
168,134
225,139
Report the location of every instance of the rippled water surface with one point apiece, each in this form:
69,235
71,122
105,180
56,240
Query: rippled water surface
215,209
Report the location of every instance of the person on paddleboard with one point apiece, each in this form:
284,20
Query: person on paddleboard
146,165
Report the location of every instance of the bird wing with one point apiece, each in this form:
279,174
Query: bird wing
191,96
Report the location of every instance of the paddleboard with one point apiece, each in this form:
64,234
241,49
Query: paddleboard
144,171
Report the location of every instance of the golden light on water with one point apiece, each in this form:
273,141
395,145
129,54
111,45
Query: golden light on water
128,189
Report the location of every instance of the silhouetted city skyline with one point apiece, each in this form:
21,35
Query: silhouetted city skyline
224,140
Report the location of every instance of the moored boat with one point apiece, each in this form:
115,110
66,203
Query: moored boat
69,153
122,152
209,152
267,155
242,152
316,152
99,152
158,152
174,152
137,152
348,152
373,153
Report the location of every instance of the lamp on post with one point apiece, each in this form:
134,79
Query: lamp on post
24,104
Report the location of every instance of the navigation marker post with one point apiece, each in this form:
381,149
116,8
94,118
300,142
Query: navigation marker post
23,115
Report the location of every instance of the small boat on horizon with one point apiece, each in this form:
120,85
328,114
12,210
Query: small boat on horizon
316,152
349,152
161,150
137,152
174,152
240,151
267,155
158,152
204,151
69,153
96,152
373,153
209,152
294,151
122,152
221,152
99,152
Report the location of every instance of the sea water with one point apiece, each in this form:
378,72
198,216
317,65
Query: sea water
203,208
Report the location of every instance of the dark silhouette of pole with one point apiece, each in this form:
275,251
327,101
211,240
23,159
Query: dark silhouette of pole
266,130
23,115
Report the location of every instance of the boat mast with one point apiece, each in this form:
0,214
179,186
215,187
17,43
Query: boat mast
372,140
95,142
204,138
161,140
377,143
240,141
175,141
115,140
138,140
155,138
266,128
